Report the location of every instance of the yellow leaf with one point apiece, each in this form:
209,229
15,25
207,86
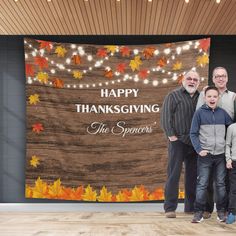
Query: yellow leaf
28,191
105,196
89,195
33,99
202,60
111,48
134,64
121,197
177,66
56,189
40,189
42,77
77,74
60,51
34,161
137,194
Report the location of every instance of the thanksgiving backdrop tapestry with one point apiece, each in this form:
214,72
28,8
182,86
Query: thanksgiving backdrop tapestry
93,117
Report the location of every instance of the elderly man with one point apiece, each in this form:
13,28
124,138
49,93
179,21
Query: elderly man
228,103
177,112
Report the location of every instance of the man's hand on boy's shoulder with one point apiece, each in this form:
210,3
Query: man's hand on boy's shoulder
203,153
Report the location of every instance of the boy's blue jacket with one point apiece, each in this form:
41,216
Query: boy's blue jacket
208,129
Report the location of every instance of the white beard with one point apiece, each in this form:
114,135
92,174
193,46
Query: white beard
190,90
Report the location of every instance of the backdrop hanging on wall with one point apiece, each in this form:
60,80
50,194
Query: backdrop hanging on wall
93,117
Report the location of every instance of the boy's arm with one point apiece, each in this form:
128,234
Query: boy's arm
228,144
194,132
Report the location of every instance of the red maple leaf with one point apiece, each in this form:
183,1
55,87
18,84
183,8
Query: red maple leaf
143,73
76,59
29,70
41,62
102,52
45,44
125,51
58,83
204,44
121,67
37,128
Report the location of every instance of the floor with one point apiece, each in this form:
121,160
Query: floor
14,223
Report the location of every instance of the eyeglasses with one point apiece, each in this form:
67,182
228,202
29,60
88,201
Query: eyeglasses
220,76
192,79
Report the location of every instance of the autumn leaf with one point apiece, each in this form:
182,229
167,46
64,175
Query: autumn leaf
79,193
102,52
55,190
181,194
89,194
168,45
180,78
143,73
148,52
108,74
37,128
77,74
45,45
76,59
145,192
60,51
125,51
177,66
111,48
58,83
41,62
40,190
33,99
104,196
134,64
42,77
29,70
28,192
162,62
204,44
121,197
121,67
137,194
203,60
158,194
34,161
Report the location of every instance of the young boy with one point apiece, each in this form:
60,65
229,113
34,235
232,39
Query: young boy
230,154
207,134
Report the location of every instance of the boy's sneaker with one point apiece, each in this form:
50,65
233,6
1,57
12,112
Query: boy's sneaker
221,216
206,215
198,217
230,218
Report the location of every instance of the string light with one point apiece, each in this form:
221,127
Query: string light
187,1
126,76
218,1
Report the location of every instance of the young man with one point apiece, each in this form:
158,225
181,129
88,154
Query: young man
207,134
227,101
177,112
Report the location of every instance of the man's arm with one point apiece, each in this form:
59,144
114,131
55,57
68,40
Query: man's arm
167,115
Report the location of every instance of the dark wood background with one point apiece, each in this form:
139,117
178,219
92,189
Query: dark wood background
68,152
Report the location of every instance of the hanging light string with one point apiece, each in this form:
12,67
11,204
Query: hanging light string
98,63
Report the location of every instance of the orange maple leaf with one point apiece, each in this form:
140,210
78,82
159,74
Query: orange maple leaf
108,74
41,62
121,67
162,62
148,52
180,78
58,83
143,73
76,59
44,44
168,45
125,51
145,192
158,194
102,52
204,44
126,194
37,128
29,70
